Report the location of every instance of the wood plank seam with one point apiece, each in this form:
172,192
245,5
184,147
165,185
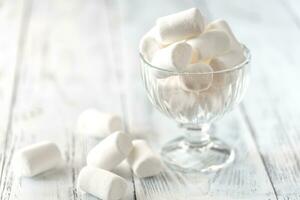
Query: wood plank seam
252,131
24,24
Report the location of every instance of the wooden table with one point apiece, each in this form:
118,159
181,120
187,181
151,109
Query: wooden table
58,58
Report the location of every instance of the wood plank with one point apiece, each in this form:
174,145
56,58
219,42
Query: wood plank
237,182
68,66
13,23
271,103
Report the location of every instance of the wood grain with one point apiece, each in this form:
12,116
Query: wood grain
67,66
61,57
13,22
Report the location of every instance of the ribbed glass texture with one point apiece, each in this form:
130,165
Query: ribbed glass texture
218,92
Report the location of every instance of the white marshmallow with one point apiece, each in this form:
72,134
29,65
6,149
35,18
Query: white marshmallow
174,57
228,60
221,24
37,158
180,26
97,124
213,100
210,44
143,161
101,183
173,97
198,82
110,151
123,170
149,44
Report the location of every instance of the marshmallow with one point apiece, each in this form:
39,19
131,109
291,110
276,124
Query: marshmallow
198,82
149,44
143,161
97,124
174,57
37,158
174,99
179,26
227,61
212,101
101,183
110,151
221,24
123,170
210,44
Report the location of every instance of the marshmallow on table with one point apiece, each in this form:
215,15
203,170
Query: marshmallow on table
110,151
174,98
123,170
174,57
37,158
210,44
101,183
180,26
98,124
200,81
149,44
221,24
143,161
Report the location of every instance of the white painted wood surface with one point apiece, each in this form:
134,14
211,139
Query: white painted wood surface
60,57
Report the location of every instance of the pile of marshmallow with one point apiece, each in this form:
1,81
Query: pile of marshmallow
183,42
97,177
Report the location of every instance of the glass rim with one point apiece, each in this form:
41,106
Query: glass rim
233,68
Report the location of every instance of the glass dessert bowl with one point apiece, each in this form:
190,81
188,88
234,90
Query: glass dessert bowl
195,111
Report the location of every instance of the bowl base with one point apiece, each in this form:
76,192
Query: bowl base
180,155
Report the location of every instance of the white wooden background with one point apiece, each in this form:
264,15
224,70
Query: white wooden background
58,58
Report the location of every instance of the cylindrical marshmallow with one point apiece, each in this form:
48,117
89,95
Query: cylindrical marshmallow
174,57
228,60
221,24
110,151
37,158
210,44
101,183
180,26
200,77
149,44
224,62
143,161
98,124
174,98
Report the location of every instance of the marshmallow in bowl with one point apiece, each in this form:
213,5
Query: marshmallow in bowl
198,82
180,26
111,151
93,122
101,183
37,158
228,60
174,96
149,44
221,24
224,62
174,57
143,161
210,44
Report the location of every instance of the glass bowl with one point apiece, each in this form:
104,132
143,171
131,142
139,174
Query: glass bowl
195,111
